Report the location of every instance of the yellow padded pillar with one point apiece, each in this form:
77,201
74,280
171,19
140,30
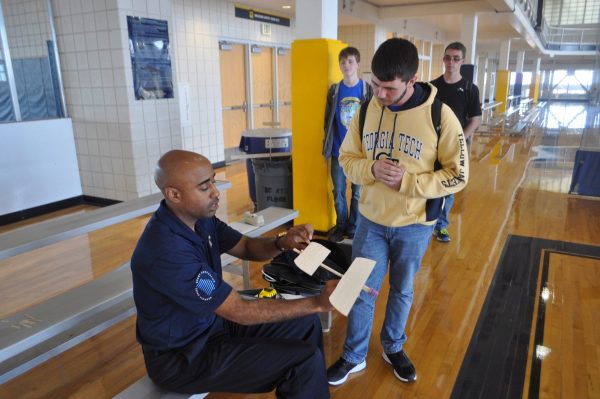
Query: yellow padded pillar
534,89
314,68
502,86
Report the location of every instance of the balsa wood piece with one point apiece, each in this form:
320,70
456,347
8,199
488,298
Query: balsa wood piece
352,282
311,257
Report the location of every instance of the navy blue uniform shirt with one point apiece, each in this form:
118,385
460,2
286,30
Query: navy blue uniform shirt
177,279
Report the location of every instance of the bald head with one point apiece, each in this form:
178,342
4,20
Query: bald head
187,181
175,166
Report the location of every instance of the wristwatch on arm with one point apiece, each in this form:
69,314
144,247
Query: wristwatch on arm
279,237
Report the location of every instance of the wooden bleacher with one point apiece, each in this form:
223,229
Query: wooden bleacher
43,331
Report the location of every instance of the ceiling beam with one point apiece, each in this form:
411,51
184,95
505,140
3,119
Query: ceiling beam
429,9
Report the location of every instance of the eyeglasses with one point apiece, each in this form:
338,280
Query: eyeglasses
448,58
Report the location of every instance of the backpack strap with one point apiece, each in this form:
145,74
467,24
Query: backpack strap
468,90
362,115
436,119
436,116
433,206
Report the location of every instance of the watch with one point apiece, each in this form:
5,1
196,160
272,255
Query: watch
280,235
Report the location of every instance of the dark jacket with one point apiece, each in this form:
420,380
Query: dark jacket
330,126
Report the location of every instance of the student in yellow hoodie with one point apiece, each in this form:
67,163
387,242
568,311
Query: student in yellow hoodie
405,169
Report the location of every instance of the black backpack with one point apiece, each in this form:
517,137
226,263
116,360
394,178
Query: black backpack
283,274
436,116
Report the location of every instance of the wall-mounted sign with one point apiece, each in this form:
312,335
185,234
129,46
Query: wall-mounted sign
150,59
265,29
260,16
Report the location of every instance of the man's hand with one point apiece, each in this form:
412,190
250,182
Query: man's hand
297,237
389,173
323,297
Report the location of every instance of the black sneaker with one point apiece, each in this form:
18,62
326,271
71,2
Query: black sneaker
350,235
338,373
336,235
403,367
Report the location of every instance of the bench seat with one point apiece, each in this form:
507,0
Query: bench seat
145,389
45,330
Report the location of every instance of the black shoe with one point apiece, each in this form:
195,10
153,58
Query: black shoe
336,235
403,367
338,373
350,235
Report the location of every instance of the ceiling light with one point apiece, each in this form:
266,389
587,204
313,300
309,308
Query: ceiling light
286,7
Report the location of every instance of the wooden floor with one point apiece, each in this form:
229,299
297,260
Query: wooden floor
518,186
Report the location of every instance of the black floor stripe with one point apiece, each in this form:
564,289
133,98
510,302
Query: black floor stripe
496,359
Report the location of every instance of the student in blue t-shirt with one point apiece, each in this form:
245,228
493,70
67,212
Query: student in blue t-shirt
343,100
199,335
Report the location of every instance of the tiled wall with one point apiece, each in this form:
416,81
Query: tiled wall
199,25
366,38
118,138
110,130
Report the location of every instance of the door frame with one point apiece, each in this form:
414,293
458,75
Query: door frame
248,75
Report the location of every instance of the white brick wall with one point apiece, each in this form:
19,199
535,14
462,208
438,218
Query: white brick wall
119,139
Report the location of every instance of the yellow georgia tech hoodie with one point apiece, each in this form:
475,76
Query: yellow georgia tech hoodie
409,137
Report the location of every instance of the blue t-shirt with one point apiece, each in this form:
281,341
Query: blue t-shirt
347,104
177,279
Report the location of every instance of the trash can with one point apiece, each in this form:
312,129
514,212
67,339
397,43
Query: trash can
273,182
263,141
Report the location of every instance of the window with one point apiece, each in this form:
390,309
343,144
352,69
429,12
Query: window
28,68
572,12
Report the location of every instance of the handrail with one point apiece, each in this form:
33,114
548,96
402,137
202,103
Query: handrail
490,105
38,235
580,37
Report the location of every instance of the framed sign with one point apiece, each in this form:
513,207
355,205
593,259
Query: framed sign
150,58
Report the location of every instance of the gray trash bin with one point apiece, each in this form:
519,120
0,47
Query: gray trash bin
273,182
263,141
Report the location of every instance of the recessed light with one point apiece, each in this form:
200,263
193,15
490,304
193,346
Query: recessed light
286,7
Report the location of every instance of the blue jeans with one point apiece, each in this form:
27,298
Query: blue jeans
442,221
403,247
343,222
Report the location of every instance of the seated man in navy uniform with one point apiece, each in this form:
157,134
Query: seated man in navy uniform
197,334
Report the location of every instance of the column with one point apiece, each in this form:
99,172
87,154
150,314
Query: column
518,88
314,68
482,71
503,76
316,19
468,37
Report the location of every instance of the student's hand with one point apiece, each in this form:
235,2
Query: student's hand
389,173
297,237
323,297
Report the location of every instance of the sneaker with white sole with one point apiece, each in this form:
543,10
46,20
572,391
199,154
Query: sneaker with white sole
442,235
338,373
404,370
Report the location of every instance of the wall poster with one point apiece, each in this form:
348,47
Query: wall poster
150,58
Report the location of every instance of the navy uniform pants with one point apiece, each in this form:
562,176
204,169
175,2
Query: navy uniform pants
285,356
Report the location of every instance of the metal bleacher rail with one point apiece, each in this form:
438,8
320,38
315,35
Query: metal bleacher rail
487,110
40,332
49,232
